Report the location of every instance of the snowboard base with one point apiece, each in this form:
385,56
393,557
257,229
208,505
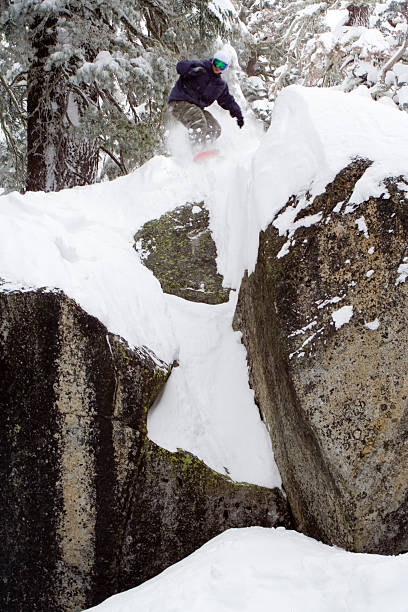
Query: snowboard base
205,155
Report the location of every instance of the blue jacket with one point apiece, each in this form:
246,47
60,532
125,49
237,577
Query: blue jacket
203,88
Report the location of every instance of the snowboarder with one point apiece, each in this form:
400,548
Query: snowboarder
198,86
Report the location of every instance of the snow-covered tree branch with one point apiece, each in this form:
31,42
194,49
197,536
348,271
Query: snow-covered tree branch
99,72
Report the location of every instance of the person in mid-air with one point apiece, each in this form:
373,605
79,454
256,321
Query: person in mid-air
198,86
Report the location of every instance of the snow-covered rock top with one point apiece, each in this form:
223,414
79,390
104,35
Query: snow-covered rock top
313,135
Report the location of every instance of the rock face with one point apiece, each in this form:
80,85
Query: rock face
180,504
89,505
181,253
324,318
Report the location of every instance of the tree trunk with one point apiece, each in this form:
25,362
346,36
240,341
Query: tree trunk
250,67
57,158
359,15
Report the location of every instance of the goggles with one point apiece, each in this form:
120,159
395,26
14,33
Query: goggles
219,64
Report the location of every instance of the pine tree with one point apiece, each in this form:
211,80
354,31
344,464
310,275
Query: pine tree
12,119
98,75
56,156
335,43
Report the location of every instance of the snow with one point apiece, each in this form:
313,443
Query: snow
222,9
403,95
302,331
262,105
373,325
308,11
361,90
387,101
260,570
342,316
362,226
299,352
371,41
336,18
208,393
73,110
401,72
286,224
314,133
102,62
333,300
80,241
363,41
221,6
328,41
403,273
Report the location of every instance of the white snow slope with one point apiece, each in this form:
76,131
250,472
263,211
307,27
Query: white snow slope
207,406
271,570
80,241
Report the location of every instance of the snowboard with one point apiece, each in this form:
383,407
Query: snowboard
203,155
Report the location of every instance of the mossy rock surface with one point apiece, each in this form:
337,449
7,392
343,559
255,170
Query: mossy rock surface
324,319
73,406
90,506
180,504
179,249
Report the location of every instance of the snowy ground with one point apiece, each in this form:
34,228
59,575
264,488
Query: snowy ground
268,570
207,405
80,241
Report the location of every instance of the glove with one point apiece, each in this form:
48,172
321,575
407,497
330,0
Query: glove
196,71
240,121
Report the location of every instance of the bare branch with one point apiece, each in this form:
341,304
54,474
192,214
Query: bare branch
145,40
398,55
106,95
13,99
113,158
134,112
88,101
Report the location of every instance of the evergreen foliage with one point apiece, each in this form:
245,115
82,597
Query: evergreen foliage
12,118
335,43
112,63
104,69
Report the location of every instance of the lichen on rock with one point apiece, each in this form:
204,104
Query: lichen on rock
324,323
179,249
64,389
89,505
180,504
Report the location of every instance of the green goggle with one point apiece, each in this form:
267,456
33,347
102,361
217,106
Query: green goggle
219,64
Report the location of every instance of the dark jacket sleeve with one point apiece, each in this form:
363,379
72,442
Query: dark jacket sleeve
185,65
227,101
